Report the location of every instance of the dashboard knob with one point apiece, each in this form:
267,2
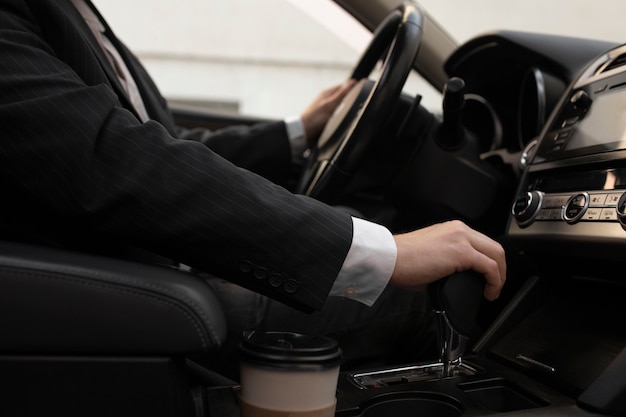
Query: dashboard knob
575,207
581,101
526,206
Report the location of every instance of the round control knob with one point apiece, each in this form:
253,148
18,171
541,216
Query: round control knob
581,101
575,207
621,210
526,206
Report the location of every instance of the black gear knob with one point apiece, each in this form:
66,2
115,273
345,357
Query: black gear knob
456,300
459,296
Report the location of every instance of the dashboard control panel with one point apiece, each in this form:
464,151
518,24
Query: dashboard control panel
593,206
572,196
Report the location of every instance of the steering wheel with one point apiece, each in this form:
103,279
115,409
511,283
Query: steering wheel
356,121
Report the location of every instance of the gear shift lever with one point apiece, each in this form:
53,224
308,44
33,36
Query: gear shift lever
456,300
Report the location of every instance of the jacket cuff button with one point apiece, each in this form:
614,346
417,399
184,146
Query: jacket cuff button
290,286
245,266
276,280
260,273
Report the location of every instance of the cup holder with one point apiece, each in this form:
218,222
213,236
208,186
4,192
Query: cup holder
411,404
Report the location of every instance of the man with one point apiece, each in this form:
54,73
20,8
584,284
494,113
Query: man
90,158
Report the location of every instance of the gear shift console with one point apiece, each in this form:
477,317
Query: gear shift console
456,300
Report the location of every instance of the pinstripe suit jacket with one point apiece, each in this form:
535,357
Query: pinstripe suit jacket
79,169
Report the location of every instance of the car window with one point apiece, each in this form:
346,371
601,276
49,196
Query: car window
265,58
580,18
269,58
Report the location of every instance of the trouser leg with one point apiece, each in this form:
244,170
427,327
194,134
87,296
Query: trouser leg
398,329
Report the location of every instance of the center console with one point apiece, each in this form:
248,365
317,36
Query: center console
569,224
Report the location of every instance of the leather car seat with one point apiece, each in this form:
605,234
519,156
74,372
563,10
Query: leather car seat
89,335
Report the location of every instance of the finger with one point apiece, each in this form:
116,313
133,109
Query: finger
488,268
342,90
491,263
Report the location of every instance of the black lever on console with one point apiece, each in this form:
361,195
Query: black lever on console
456,300
451,133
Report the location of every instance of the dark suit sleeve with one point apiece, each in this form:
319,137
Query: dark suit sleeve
75,163
262,148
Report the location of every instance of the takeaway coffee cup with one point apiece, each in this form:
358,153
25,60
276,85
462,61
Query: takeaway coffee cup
287,374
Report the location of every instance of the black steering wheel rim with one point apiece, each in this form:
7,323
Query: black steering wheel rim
353,127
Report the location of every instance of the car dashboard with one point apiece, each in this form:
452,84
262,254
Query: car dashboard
514,80
560,104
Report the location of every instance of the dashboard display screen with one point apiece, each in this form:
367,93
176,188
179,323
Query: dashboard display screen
592,125
604,125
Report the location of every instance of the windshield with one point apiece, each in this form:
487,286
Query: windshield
269,58
581,18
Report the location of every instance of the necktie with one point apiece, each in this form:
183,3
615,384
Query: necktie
114,57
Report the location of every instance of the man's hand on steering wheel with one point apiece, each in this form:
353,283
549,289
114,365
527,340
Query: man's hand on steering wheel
366,105
319,111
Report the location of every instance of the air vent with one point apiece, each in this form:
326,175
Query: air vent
617,62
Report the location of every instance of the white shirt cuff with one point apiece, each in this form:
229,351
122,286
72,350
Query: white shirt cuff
369,264
297,137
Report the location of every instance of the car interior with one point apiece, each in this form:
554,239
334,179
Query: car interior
529,147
